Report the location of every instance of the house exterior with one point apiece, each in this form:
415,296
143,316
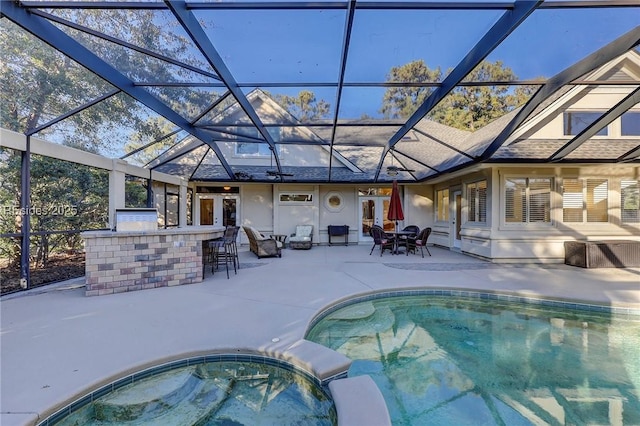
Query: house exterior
550,182
519,205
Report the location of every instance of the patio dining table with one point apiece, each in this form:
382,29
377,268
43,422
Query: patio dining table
397,234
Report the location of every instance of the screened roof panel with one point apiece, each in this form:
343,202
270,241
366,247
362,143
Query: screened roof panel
116,125
137,66
189,102
38,100
360,80
292,105
551,40
140,29
362,102
147,152
364,135
289,45
384,39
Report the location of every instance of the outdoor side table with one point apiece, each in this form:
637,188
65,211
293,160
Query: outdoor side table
280,237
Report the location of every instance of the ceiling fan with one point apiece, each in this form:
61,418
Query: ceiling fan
276,173
272,174
393,170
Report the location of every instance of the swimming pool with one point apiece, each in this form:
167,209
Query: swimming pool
443,360
212,391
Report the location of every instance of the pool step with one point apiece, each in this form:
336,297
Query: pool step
168,399
153,395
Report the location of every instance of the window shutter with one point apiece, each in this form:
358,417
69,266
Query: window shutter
471,202
572,204
482,201
515,200
597,200
630,201
539,200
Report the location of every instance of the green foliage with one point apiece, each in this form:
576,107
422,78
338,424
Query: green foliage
135,192
401,102
466,107
305,106
64,197
9,203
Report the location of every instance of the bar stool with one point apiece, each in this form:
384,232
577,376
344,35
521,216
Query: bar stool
225,248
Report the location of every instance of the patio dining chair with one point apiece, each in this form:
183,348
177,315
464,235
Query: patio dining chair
382,239
419,241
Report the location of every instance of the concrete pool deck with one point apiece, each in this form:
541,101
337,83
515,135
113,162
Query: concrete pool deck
56,344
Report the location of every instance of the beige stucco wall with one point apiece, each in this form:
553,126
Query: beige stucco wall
346,214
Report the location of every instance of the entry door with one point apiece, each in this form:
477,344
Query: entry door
456,219
217,210
373,211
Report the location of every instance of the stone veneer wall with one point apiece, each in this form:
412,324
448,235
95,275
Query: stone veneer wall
120,262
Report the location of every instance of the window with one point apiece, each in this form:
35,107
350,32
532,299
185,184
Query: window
527,200
296,198
585,200
442,205
630,122
333,202
630,201
477,201
253,149
576,121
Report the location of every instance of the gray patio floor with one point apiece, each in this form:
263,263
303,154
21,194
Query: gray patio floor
56,344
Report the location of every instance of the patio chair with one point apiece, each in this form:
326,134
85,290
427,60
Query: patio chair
382,239
302,238
260,245
419,241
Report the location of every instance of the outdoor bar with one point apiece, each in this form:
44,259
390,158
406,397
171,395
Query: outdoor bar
121,261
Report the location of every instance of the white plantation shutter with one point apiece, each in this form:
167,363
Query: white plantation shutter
527,200
597,200
572,203
443,205
515,200
540,200
471,202
482,201
477,201
630,201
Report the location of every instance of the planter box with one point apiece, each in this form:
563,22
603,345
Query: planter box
602,254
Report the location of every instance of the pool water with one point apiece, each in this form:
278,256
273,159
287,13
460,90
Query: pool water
228,393
465,361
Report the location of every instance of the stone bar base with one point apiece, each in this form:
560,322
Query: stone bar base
117,262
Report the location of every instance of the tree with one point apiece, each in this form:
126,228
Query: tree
305,106
472,107
40,84
466,107
401,102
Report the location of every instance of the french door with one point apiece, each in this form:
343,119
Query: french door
373,211
456,219
216,210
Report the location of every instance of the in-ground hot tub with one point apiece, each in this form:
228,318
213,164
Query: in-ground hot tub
215,390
